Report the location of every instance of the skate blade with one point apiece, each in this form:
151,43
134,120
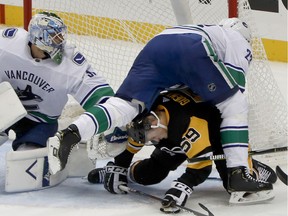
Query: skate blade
244,198
53,160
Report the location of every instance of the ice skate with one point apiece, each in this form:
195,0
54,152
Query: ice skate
60,146
245,189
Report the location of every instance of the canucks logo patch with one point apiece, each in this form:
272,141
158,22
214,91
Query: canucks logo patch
9,32
78,58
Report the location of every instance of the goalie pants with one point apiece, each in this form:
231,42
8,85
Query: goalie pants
30,132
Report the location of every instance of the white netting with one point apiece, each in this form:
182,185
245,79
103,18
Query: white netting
112,32
99,148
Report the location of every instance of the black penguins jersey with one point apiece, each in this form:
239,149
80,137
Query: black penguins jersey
192,124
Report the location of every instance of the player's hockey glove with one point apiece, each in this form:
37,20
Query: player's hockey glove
177,194
115,176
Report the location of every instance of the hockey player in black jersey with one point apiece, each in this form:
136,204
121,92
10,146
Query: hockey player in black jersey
180,127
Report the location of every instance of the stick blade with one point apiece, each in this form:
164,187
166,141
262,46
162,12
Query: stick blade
281,175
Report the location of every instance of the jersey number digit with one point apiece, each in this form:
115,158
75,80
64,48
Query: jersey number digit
249,56
190,137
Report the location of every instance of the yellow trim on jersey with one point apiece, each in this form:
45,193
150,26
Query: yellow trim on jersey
199,165
133,146
179,98
196,137
184,99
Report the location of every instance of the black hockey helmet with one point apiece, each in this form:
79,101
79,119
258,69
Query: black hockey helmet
138,128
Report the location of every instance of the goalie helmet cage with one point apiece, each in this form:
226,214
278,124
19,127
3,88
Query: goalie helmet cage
112,32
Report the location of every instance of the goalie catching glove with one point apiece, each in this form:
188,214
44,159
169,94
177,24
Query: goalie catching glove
177,194
115,176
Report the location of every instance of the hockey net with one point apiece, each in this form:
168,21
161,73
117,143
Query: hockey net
112,32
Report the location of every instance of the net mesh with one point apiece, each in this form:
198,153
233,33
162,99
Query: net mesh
110,33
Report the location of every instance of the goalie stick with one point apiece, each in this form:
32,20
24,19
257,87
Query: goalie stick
281,175
196,213
222,156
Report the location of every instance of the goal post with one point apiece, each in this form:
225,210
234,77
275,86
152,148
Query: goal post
110,33
27,12
232,8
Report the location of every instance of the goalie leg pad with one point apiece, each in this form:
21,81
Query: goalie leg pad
29,170
32,168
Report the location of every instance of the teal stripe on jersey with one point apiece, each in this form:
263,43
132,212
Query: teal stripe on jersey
234,136
44,118
238,76
97,96
101,118
219,64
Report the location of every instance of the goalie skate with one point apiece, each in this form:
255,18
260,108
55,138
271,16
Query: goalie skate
60,147
238,198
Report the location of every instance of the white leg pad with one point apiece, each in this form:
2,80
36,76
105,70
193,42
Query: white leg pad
29,170
11,108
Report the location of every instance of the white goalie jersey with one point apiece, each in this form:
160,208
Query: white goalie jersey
41,85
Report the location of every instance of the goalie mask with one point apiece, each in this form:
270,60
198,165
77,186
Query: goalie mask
139,128
48,32
238,25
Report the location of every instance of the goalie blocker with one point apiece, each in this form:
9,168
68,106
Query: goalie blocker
11,108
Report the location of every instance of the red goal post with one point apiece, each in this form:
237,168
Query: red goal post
112,32
27,12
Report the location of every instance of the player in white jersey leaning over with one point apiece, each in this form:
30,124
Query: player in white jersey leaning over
43,70
212,60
